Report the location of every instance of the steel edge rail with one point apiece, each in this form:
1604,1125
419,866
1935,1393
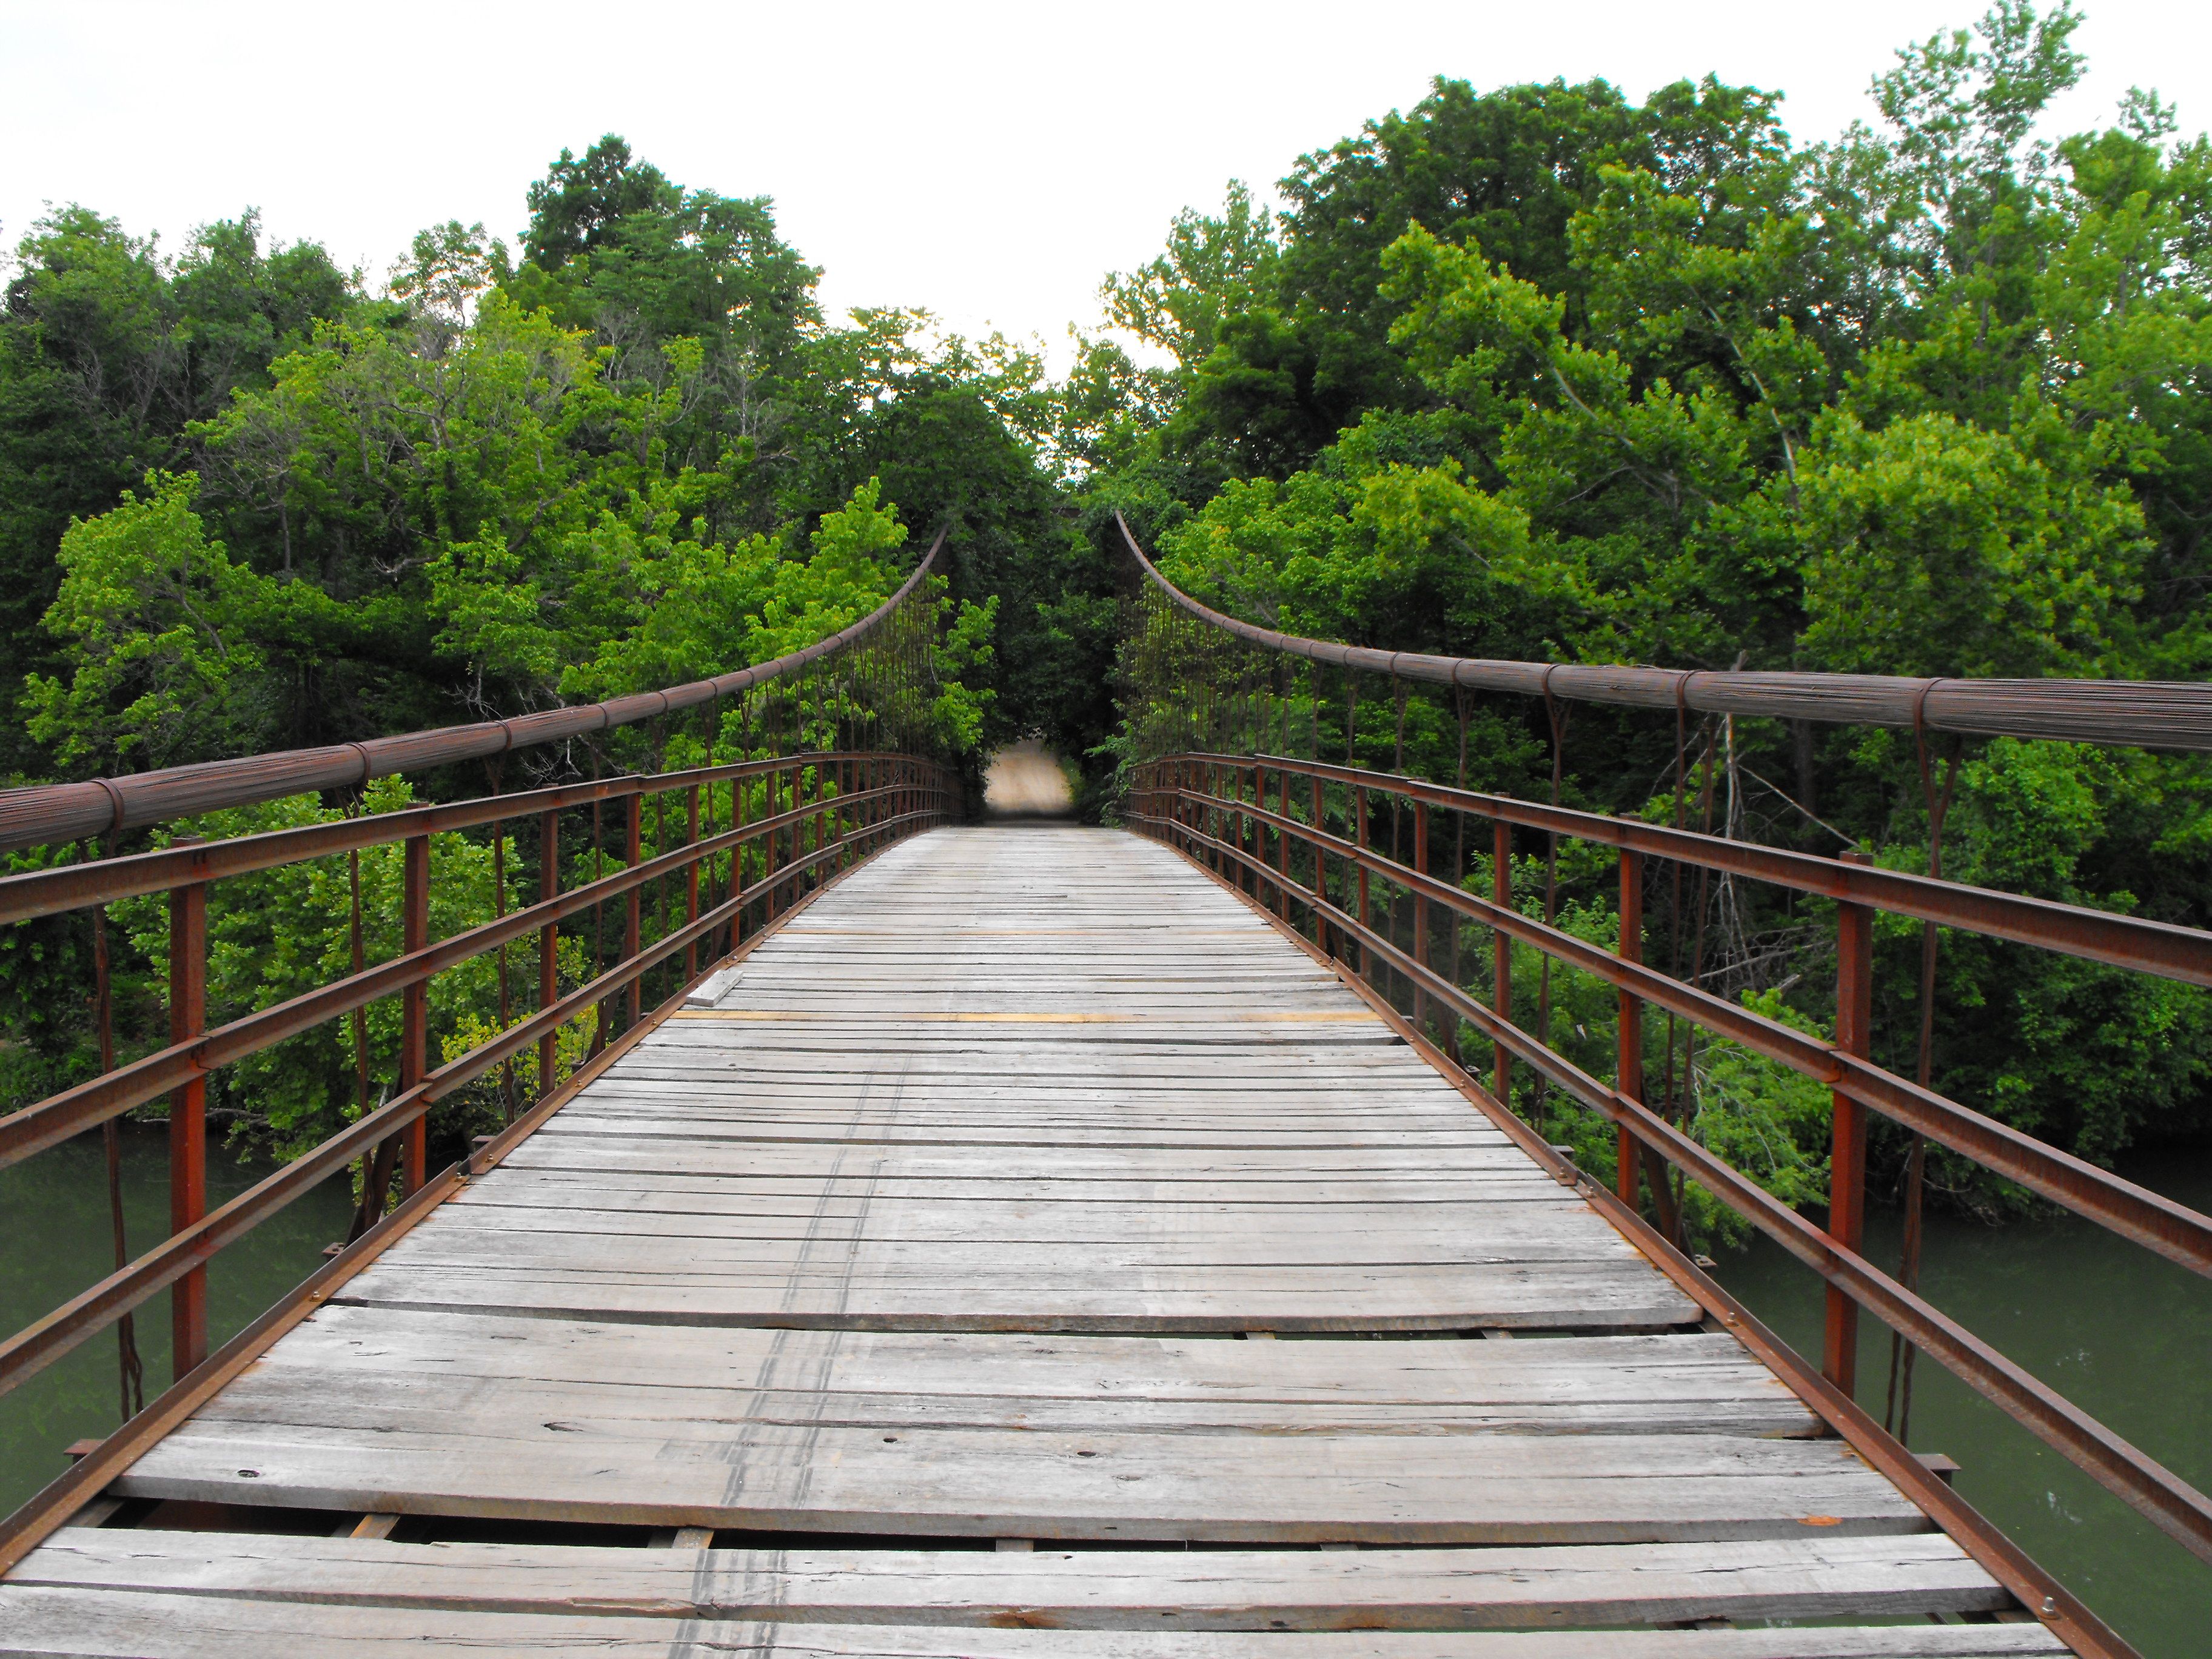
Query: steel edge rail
65,887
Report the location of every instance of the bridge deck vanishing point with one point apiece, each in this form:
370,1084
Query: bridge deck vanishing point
1029,1253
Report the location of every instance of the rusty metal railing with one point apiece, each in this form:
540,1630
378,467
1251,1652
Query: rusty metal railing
753,838
1298,837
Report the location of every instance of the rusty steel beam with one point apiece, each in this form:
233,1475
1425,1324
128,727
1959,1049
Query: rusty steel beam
75,886
45,813
2127,714
2149,947
1848,1136
2173,1230
94,1101
188,952
2170,1502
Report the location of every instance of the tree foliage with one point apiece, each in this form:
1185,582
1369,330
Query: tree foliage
1543,373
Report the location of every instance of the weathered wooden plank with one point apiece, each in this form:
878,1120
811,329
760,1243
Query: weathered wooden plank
1559,1296
363,1365
1296,1203
1371,1233
1527,1234
130,1625
1499,1588
1321,1168
1233,1487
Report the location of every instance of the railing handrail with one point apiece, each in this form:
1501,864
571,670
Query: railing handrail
65,887
1193,814
862,801
41,814
2167,949
139,1082
2115,714
2173,1230
23,1133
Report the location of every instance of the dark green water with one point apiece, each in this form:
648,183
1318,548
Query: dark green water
2122,1334
54,1241
2113,1327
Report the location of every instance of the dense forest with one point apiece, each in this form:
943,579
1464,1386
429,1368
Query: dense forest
1538,373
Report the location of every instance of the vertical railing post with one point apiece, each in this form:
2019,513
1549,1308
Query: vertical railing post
1847,1157
1420,914
1320,869
188,1115
1283,840
1628,1068
800,846
1210,814
633,910
739,793
768,837
549,941
822,813
848,772
1256,835
415,1010
1359,806
691,884
1501,948
1242,836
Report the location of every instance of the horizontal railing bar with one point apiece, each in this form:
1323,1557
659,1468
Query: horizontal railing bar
2120,714
2163,1498
38,1345
93,1102
102,881
2157,1223
2063,1613
61,1498
2152,947
46,813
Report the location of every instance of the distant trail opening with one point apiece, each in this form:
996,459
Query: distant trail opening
1024,781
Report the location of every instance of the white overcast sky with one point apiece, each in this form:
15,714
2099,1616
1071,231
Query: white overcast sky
987,161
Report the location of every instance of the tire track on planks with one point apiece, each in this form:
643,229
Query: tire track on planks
876,1105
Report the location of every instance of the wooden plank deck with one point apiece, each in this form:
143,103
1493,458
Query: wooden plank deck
955,1218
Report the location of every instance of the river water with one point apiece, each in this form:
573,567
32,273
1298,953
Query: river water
2118,1331
55,1241
2124,1333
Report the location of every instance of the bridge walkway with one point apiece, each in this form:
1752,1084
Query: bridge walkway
1026,1251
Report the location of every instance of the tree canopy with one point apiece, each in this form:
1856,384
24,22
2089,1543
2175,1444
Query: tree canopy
1543,374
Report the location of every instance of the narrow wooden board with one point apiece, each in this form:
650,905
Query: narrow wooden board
132,1625
1231,1488
356,1363
1499,1589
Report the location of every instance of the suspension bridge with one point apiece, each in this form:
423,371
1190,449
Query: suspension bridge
909,1238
